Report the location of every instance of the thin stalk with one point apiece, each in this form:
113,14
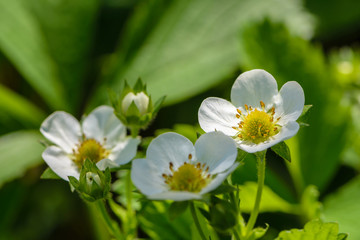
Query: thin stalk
196,220
261,178
114,230
236,234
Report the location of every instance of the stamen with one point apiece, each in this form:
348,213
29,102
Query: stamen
238,110
262,105
190,156
237,116
246,107
171,166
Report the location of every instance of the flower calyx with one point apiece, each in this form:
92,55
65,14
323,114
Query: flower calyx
93,184
134,106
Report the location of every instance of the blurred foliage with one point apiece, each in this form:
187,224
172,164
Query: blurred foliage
64,55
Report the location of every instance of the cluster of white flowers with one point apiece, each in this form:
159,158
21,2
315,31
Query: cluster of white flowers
258,117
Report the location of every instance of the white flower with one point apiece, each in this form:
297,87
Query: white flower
258,116
175,169
140,99
101,138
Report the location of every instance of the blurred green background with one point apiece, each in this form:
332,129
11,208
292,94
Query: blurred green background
66,54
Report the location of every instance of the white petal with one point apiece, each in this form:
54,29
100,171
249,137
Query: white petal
60,163
169,147
175,195
124,151
127,100
146,177
62,129
106,163
286,132
142,102
102,124
293,100
216,150
252,87
216,114
218,179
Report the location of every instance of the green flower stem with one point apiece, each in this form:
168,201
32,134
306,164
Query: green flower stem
131,221
196,220
114,229
261,178
236,234
134,132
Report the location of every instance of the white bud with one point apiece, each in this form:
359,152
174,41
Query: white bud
141,101
90,177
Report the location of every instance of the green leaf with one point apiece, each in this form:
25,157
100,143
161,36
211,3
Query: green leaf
177,208
22,42
20,108
69,28
282,150
49,174
343,207
276,182
314,230
19,152
190,47
310,205
270,201
154,221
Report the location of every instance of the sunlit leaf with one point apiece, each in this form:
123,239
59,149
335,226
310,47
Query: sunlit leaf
270,201
19,151
314,230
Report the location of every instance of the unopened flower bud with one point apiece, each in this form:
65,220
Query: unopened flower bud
140,99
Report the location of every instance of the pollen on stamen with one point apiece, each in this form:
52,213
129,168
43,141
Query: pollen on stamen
246,107
238,110
190,156
171,166
237,116
262,105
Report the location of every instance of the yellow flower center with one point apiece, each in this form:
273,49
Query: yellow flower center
257,125
188,177
89,149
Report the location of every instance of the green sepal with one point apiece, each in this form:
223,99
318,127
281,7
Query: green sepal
223,188
282,150
93,184
177,208
205,214
132,111
158,104
302,120
241,155
49,174
139,86
258,232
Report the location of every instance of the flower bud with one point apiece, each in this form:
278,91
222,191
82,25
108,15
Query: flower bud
93,184
140,99
134,106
